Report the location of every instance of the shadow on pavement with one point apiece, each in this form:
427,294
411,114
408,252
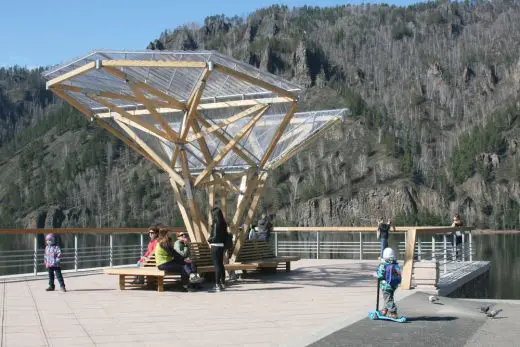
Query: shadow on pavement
431,318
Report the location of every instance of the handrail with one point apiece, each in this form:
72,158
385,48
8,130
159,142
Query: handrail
421,230
83,231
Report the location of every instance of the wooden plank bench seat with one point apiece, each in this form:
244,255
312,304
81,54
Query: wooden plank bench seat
259,253
200,253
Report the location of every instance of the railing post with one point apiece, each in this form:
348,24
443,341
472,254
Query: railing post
433,248
454,247
470,246
276,244
463,248
317,245
419,248
360,245
76,252
111,248
35,254
141,240
445,251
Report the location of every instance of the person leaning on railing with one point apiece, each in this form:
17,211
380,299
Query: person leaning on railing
383,233
457,235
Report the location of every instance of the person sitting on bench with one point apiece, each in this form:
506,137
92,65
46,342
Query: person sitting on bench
153,233
182,248
170,261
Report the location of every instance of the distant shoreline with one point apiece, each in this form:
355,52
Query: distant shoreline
494,232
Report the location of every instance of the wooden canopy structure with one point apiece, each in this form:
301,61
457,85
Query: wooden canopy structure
209,121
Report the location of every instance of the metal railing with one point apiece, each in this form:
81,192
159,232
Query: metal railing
364,246
89,249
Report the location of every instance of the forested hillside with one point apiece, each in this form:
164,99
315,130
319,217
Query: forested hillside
433,92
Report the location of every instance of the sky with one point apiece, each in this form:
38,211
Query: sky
43,33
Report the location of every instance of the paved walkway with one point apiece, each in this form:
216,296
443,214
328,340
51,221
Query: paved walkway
320,300
451,323
295,309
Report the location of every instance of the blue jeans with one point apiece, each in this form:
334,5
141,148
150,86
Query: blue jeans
384,244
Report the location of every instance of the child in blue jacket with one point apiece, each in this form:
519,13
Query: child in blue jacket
52,262
389,275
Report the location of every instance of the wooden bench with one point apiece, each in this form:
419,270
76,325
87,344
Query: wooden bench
200,254
259,253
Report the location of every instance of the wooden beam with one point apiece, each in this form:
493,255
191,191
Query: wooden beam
73,73
212,180
142,125
110,95
182,209
174,175
210,105
154,63
188,188
174,103
83,109
251,212
228,147
158,117
227,121
237,149
211,200
202,142
193,102
102,123
256,81
278,134
411,236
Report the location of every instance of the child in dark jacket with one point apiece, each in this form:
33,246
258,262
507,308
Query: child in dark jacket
52,259
389,275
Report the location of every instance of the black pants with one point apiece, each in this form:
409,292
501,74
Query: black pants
58,275
217,258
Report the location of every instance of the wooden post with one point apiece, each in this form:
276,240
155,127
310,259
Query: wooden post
360,246
411,236
122,282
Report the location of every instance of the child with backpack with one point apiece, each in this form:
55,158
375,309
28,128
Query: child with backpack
52,259
389,275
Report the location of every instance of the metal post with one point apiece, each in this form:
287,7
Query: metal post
360,246
454,247
419,248
463,248
276,244
433,248
35,255
445,251
470,247
75,252
317,245
111,247
141,240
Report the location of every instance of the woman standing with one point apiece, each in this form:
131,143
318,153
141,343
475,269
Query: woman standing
216,240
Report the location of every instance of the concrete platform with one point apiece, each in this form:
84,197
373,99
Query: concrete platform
314,302
284,309
451,323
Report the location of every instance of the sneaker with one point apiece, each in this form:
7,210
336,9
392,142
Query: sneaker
196,279
187,289
383,312
216,289
63,289
50,289
221,286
